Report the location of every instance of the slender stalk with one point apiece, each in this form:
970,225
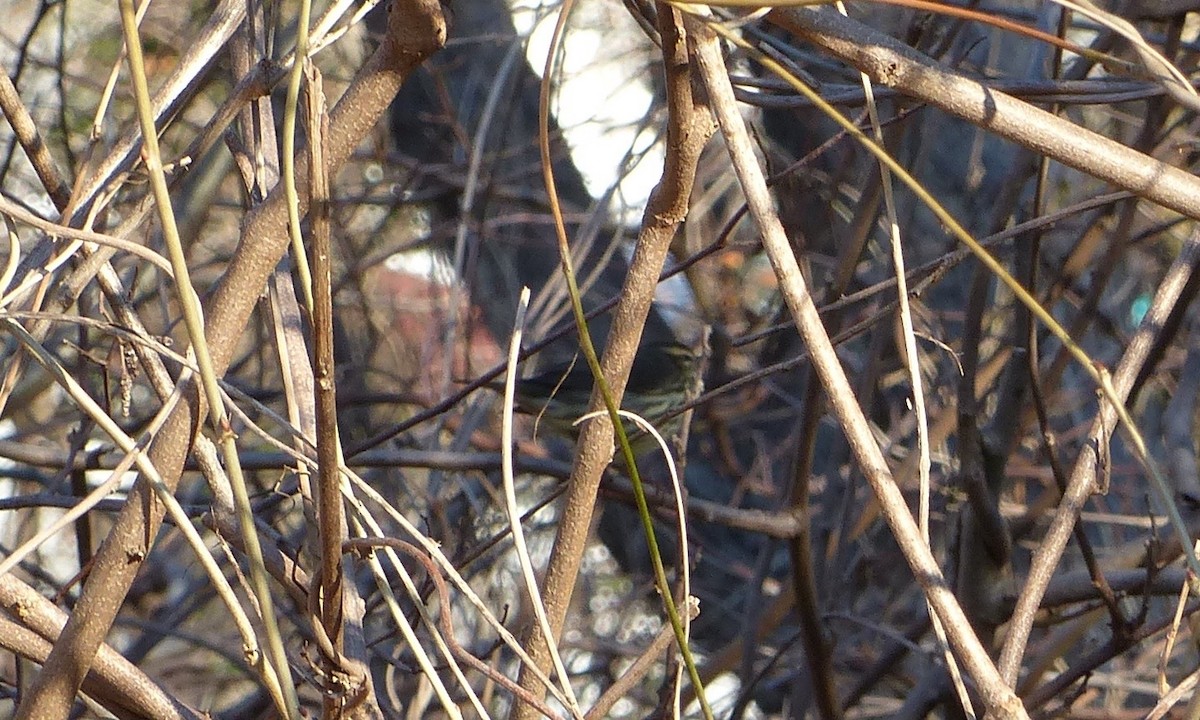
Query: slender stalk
194,322
997,696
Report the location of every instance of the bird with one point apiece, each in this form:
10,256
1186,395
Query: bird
664,378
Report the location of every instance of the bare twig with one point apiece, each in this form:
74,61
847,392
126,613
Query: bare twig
416,29
891,63
31,141
113,680
998,698
690,126
1083,475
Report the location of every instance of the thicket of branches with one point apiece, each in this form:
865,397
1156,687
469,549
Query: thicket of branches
250,434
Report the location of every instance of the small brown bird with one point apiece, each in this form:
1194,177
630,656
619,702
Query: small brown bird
664,378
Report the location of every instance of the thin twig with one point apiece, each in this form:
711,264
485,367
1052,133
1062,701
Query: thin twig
998,698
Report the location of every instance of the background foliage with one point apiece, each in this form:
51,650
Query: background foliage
1075,169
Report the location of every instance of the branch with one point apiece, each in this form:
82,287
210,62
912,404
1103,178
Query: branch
891,63
416,30
689,127
998,697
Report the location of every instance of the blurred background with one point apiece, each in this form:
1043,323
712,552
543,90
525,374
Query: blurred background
441,216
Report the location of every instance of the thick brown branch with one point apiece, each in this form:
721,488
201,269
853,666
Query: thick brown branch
690,126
